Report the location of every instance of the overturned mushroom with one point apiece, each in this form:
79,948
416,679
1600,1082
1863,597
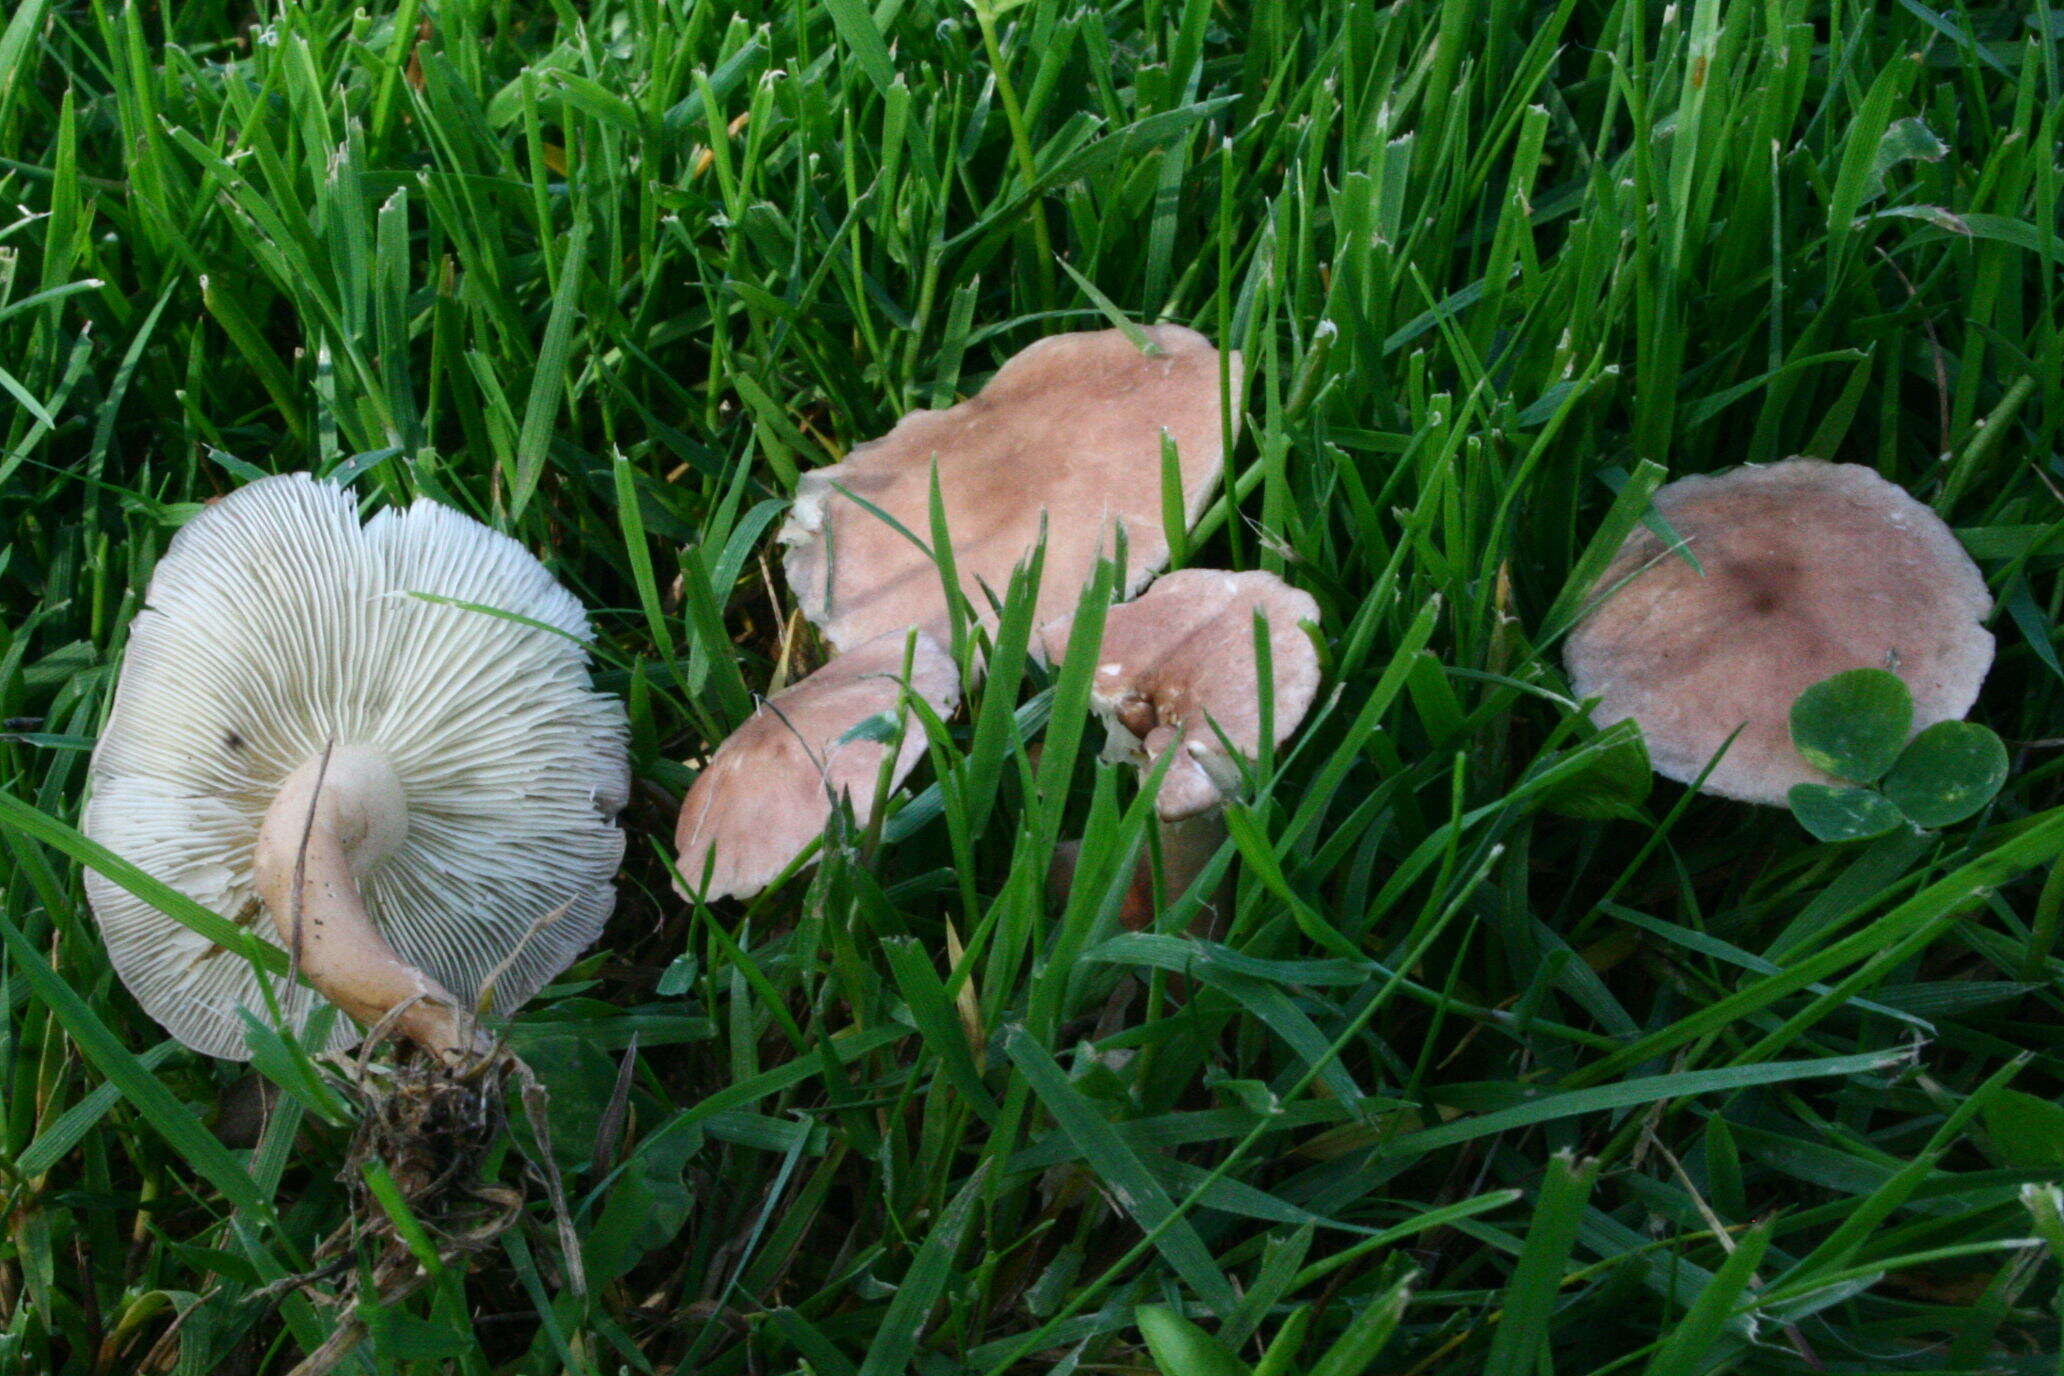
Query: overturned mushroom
1069,432
1177,677
774,783
1804,569
419,793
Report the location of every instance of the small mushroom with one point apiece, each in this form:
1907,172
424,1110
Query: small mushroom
1177,676
771,787
421,794
1805,569
1068,430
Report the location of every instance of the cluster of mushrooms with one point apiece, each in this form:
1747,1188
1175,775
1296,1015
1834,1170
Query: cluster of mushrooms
1061,451
376,745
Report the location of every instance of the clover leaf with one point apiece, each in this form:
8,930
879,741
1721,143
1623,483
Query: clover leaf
1854,724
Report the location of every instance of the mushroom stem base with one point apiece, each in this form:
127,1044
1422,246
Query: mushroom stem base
330,823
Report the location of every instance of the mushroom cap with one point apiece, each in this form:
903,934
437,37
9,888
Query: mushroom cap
1069,427
1810,569
771,787
1177,669
276,625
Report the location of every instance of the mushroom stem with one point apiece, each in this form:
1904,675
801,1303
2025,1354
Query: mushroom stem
1186,848
335,818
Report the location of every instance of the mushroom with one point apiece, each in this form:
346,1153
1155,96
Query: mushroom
420,791
1804,569
1177,677
771,787
1065,439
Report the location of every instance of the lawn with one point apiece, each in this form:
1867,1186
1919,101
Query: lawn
1507,1061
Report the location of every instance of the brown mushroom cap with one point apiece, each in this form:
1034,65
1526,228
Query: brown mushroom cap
1178,669
1810,569
1070,427
774,782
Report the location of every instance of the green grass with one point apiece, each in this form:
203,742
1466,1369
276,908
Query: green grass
1472,1084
